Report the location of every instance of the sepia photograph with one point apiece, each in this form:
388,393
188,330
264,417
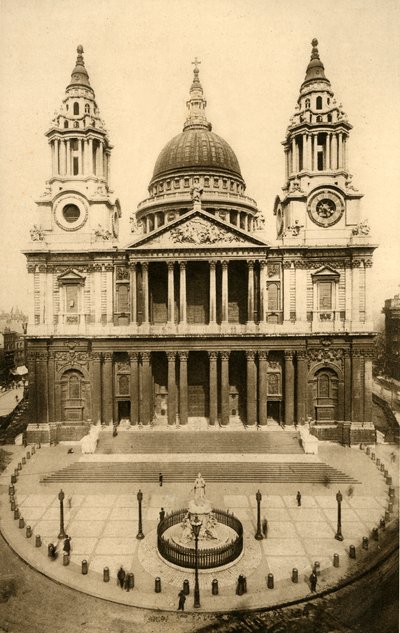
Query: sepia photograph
199,316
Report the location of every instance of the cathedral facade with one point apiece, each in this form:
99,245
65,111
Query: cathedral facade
200,320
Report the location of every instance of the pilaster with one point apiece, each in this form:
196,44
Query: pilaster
289,387
262,388
171,388
183,388
224,388
107,390
301,386
134,386
213,387
251,389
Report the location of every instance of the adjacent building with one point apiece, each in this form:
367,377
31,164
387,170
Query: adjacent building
200,320
392,337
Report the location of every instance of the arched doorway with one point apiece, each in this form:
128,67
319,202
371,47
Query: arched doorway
325,395
73,396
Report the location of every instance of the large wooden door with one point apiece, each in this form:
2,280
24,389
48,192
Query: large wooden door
198,384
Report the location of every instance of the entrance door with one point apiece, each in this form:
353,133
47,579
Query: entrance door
124,410
274,410
198,385
325,395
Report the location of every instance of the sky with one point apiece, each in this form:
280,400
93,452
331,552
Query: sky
253,54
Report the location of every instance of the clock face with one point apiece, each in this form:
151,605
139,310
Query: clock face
325,208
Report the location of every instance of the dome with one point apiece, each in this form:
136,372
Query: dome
197,148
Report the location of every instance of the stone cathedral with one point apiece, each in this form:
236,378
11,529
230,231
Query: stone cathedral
200,321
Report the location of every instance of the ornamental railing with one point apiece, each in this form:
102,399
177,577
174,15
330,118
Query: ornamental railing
208,558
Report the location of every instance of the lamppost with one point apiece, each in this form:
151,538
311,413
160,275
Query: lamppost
196,527
259,535
339,499
140,534
61,499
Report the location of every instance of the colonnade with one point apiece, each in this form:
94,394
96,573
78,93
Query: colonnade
93,157
302,153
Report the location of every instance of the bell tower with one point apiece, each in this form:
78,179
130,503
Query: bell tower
78,207
320,204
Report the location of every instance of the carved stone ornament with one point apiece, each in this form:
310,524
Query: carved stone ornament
294,230
37,233
273,364
122,366
320,355
363,228
122,273
273,270
198,231
71,357
102,234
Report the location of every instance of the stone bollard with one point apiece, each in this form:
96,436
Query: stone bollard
336,560
33,449
352,551
38,541
28,531
373,456
390,506
19,467
186,589
157,585
365,542
85,567
131,579
391,492
16,513
295,575
23,461
21,523
382,524
28,455
65,559
39,445
368,450
382,468
106,574
387,516
13,505
13,479
11,490
386,473
389,480
375,534
361,446
16,472
214,587
270,581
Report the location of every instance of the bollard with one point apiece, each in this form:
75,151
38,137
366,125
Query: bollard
382,524
214,587
13,479
368,450
361,446
186,589
382,468
131,579
378,462
157,585
365,542
387,516
33,449
16,513
65,559
23,460
28,455
390,506
389,480
373,456
38,541
84,567
39,445
28,531
375,534
336,560
106,574
386,473
295,575
12,505
270,581
391,492
11,490
21,523
352,551
239,586
19,467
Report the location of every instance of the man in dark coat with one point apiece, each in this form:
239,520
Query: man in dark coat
265,527
121,576
126,583
160,479
67,545
182,599
313,581
298,497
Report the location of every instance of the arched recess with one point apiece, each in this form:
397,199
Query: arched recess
326,393
74,396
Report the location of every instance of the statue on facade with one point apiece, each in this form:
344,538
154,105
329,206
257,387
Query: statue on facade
196,192
102,234
199,489
363,228
37,233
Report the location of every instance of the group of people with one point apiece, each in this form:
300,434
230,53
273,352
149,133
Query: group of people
124,579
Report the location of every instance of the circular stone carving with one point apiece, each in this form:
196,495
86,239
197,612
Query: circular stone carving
70,212
325,208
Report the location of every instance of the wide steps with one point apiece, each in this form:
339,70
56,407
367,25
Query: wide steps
149,442
175,472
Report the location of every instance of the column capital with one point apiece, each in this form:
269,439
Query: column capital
145,265
250,263
225,263
108,356
212,265
145,357
213,356
133,356
263,264
263,355
170,265
225,355
250,355
182,265
132,265
288,353
96,356
52,355
183,356
171,356
301,354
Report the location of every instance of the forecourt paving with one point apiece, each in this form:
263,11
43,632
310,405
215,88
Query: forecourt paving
102,521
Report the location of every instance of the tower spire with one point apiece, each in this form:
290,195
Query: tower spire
79,76
196,104
315,69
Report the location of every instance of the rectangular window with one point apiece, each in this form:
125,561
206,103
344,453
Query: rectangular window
75,165
325,295
71,295
123,298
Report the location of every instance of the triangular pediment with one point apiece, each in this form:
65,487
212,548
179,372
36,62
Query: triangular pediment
197,229
70,276
326,271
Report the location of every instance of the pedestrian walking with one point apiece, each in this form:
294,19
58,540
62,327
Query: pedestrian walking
313,581
298,497
350,491
162,514
16,398
126,583
160,479
265,527
69,503
121,577
67,545
182,600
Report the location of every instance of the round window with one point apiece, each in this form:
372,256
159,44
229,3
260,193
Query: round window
71,213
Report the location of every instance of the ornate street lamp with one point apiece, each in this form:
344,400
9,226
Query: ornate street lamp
196,527
61,499
339,499
140,534
259,534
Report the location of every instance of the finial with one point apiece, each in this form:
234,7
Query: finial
79,49
314,52
196,63
314,42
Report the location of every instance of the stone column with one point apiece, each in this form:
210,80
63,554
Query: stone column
340,150
133,294
347,385
357,386
53,158
328,151
107,390
251,400
171,297
183,387
355,284
289,387
225,282
182,292
171,388
301,386
224,388
51,378
42,387
146,413
262,388
81,170
262,315
33,414
145,285
294,165
250,292
368,386
213,387
287,164
109,268
286,290
213,311
134,387
96,387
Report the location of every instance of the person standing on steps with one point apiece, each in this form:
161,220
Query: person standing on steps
162,514
160,479
298,497
182,600
121,577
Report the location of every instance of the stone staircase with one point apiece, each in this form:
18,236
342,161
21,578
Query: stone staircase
203,442
213,472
